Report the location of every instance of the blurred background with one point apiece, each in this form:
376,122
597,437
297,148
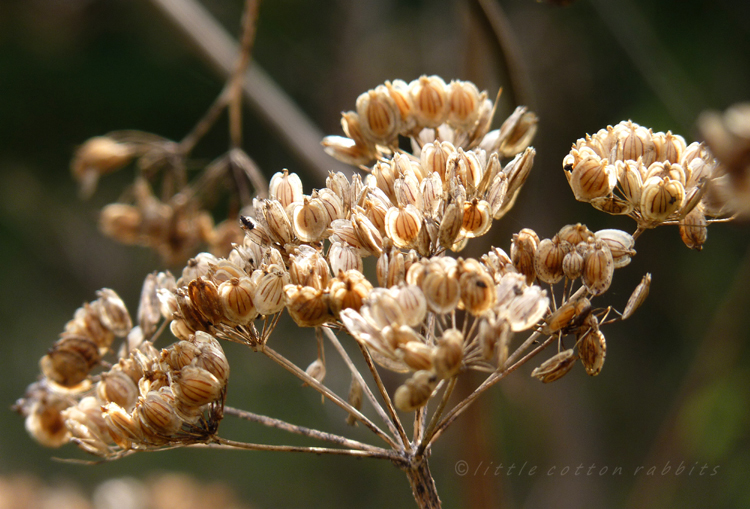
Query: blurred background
675,388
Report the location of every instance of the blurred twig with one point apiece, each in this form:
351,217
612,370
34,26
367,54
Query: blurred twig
715,355
262,94
493,19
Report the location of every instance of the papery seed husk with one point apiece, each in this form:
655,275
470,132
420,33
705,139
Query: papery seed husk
620,244
429,98
464,101
45,422
156,414
477,218
637,297
441,290
113,313
269,291
568,315
416,355
379,116
613,205
308,306
447,357
195,386
236,297
354,399
660,198
317,370
117,387
523,251
527,309
450,225
555,367
477,291
548,259
343,257
310,220
415,392
413,302
598,268
204,297
70,360
575,233
694,229
402,225
285,187
592,349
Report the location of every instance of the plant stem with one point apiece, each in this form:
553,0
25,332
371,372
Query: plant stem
223,443
436,416
325,391
368,392
235,87
300,430
489,382
423,485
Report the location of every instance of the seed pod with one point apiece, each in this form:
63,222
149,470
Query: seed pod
197,267
525,310
86,322
431,189
379,116
556,367
567,317
343,257
383,309
694,229
464,99
180,354
367,234
45,422
149,307
310,220
354,399
637,297
86,425
96,157
416,391
195,386
629,181
613,205
124,429
477,218
180,329
451,224
156,414
575,234
397,336
399,92
620,245
308,268
407,192
660,198
448,355
117,387
598,268
269,290
317,370
413,303
236,298
497,195
348,290
523,251
573,264
517,131
402,225
477,291
548,259
112,312
286,188
635,142
204,297
279,227
592,349
416,355
430,102
592,178
494,337
518,171
669,147
70,360
441,290
309,307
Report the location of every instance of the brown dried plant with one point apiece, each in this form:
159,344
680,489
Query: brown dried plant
427,314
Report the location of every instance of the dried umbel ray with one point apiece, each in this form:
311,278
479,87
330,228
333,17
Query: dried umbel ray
426,314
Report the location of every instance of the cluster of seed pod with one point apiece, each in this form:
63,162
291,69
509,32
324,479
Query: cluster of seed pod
87,337
655,178
174,228
147,398
400,325
425,108
574,252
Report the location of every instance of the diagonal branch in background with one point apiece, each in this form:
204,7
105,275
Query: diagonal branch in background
264,96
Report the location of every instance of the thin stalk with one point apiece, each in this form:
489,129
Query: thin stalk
235,88
325,391
436,417
423,485
489,382
384,394
300,430
204,125
226,444
366,388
